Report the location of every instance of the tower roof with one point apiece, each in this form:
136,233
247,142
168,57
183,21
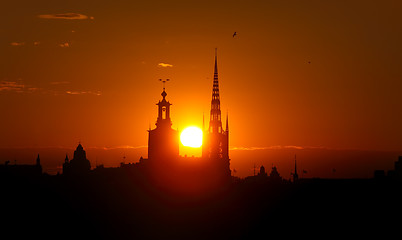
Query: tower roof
164,94
215,123
163,119
215,88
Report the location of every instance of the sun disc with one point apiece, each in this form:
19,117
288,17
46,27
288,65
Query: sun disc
191,137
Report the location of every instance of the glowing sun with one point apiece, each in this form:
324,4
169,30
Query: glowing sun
191,137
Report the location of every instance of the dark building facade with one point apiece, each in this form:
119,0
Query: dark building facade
23,170
395,174
79,164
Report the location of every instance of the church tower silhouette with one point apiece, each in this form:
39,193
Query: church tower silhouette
216,140
79,164
163,141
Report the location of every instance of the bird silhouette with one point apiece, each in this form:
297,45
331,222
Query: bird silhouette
234,34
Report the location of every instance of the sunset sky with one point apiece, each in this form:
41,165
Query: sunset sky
298,73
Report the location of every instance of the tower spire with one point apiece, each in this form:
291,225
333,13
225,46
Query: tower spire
216,63
215,123
216,143
163,109
38,160
227,122
295,175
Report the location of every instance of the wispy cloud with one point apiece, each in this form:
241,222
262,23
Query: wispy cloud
97,93
16,87
165,65
118,147
59,83
17,44
68,16
19,87
64,45
11,86
266,148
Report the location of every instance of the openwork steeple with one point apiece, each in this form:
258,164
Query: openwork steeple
215,148
215,123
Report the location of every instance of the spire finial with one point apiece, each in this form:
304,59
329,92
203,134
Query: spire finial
163,82
216,60
163,92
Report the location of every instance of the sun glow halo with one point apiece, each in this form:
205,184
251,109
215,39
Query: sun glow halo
191,137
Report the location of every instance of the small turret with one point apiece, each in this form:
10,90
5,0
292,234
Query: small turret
227,122
295,175
38,161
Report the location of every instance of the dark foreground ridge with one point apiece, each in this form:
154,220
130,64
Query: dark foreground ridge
117,207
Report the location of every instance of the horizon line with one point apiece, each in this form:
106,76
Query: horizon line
231,148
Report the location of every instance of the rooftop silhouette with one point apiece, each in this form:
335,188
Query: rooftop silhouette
167,196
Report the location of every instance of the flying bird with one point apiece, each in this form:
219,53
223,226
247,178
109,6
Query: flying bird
234,34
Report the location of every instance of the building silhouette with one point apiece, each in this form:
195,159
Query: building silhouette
394,174
164,167
21,170
262,172
295,175
79,165
215,147
274,175
163,141
264,178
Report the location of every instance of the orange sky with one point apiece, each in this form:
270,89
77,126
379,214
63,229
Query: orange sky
92,75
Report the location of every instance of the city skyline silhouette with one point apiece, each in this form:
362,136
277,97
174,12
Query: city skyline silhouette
335,158
299,128
81,61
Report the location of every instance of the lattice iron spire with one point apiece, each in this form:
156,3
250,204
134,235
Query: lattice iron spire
227,122
215,123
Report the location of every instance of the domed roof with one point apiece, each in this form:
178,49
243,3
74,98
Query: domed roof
79,147
164,94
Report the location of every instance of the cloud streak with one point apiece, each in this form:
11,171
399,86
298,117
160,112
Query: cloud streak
266,148
64,45
17,44
10,86
165,65
67,16
97,93
278,147
59,83
16,87
118,147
